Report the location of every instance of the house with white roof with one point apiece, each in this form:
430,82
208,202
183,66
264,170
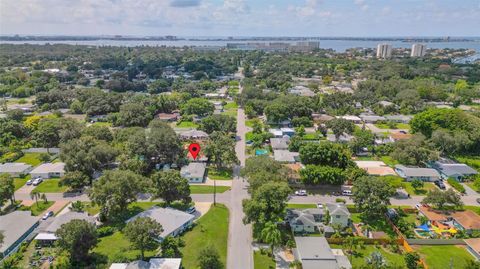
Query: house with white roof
411,173
15,169
195,172
154,263
49,170
173,221
16,228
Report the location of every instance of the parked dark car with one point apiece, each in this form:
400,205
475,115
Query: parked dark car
439,184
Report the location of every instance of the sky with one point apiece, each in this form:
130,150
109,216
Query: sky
382,18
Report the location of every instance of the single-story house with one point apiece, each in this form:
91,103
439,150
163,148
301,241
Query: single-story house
378,168
315,253
279,143
339,214
386,103
16,228
371,118
282,132
301,91
285,156
154,263
15,169
351,118
49,170
411,173
173,221
195,172
399,118
193,134
467,219
48,234
451,169
473,246
169,117
344,138
322,117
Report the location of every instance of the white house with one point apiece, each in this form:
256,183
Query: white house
15,169
411,173
339,215
154,263
194,172
174,222
48,170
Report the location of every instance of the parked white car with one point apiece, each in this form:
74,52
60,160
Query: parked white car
301,193
47,215
37,181
347,192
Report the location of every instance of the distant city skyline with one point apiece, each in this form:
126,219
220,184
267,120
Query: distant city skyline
346,18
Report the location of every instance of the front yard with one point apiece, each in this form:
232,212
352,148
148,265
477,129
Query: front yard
20,181
187,124
222,174
210,230
32,159
37,208
51,186
440,257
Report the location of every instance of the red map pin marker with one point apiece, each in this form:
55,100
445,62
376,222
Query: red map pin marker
194,149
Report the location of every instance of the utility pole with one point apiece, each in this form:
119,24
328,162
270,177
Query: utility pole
214,192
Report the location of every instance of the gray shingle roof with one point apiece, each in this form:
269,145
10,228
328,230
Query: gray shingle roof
170,219
193,170
14,167
14,225
59,220
417,171
338,209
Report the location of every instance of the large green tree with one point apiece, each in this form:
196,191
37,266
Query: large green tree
198,106
77,238
372,196
143,233
209,258
134,114
220,149
115,190
314,174
219,123
170,186
331,154
440,198
7,189
413,151
340,126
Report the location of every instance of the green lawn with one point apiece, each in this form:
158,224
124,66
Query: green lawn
230,112
249,122
389,160
470,184
248,136
200,189
20,181
231,105
397,126
116,248
439,257
301,206
91,209
357,260
377,225
223,174
51,186
30,158
102,123
262,261
427,186
37,208
311,136
187,124
210,230
473,161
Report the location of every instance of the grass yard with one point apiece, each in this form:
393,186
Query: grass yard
230,112
91,209
223,174
311,136
30,158
210,230
427,186
470,184
248,136
262,261
389,161
37,208
440,257
200,189
249,122
397,126
187,124
357,260
473,161
231,105
377,225
51,186
116,247
301,206
20,181
102,123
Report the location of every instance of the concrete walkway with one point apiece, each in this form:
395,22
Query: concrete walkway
210,182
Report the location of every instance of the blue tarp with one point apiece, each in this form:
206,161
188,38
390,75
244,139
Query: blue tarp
424,227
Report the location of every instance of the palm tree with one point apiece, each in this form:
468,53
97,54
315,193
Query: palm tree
271,235
34,194
44,198
351,244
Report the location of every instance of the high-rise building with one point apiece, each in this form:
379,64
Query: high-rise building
384,51
418,50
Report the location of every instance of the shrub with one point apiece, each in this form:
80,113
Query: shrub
106,231
456,185
340,200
